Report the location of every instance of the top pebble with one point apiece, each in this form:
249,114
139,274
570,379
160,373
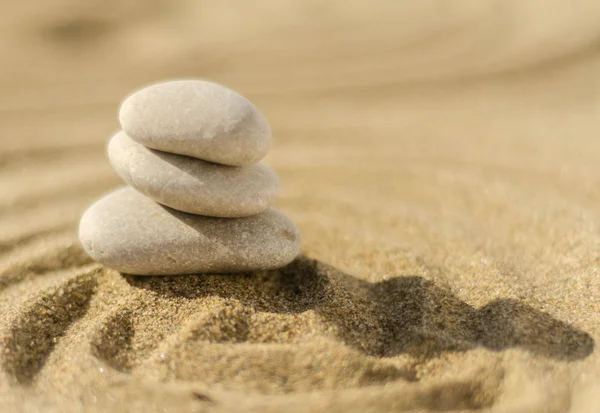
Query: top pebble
196,118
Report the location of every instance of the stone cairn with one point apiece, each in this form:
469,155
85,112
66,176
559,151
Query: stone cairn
198,200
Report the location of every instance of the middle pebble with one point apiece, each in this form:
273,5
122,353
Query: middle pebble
192,185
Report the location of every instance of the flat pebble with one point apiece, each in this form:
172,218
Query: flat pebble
191,185
199,119
129,232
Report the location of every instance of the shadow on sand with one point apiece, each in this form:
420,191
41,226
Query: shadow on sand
404,314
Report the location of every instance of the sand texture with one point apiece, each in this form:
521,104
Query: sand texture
441,162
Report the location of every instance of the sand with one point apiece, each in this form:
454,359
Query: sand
441,163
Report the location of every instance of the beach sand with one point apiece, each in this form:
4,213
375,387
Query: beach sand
441,162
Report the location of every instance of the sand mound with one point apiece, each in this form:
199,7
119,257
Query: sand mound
305,328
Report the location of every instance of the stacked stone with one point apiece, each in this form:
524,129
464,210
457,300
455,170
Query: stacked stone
199,201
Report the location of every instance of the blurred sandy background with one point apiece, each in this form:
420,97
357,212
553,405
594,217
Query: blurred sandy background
440,158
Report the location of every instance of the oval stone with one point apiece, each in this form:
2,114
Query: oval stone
192,185
131,233
199,119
